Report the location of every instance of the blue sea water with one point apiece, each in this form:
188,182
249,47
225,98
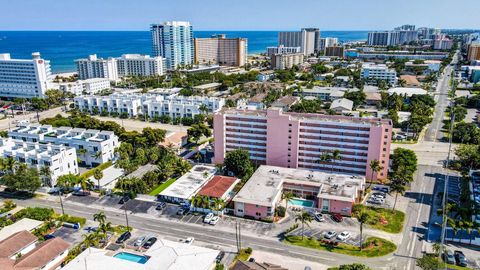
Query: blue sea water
63,47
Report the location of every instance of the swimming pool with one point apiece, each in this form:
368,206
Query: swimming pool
300,202
131,257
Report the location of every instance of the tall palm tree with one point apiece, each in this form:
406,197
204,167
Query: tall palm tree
324,158
85,183
97,154
335,155
100,217
67,181
287,196
47,175
305,218
362,217
97,174
375,167
90,239
203,108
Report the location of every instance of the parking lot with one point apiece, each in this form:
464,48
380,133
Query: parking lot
318,233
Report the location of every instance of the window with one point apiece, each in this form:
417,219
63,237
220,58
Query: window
240,210
289,125
258,214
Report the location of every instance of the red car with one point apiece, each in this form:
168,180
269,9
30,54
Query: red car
337,217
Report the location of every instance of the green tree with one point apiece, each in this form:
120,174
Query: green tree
362,217
397,186
353,266
335,155
375,167
67,181
100,217
196,131
23,178
305,219
238,162
97,174
429,262
287,196
46,174
405,160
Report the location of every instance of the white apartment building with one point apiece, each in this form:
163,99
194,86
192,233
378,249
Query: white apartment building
373,72
98,145
93,67
24,78
220,50
328,42
60,159
153,105
89,86
282,50
284,61
140,65
308,39
174,41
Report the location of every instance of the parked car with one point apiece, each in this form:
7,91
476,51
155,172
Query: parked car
319,217
330,234
344,236
124,237
124,200
460,259
214,220
54,191
149,242
208,217
161,206
48,236
189,240
379,194
139,242
81,193
220,256
337,217
448,257
182,211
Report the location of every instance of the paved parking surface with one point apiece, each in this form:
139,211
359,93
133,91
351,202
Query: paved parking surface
138,206
320,233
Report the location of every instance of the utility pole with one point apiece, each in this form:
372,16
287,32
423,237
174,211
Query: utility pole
61,201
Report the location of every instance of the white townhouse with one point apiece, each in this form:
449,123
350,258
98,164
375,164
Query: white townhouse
99,145
59,159
153,105
90,86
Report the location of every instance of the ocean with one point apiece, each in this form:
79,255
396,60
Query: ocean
63,47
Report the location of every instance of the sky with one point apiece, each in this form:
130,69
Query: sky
238,14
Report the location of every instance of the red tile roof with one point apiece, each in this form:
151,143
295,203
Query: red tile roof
42,254
15,243
218,186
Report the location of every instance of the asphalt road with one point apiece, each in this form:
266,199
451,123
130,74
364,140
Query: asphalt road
32,117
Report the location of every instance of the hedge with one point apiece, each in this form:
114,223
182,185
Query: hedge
101,167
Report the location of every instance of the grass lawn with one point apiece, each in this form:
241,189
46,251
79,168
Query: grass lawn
161,187
394,219
456,267
374,246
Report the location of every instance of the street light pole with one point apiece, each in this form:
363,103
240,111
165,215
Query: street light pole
126,217
61,202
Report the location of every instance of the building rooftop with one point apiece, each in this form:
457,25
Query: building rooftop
408,91
410,79
285,101
373,96
266,184
163,255
342,103
188,185
42,254
218,186
241,265
207,86
24,224
15,243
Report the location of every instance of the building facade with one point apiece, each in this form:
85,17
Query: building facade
282,50
308,39
295,140
337,51
285,61
140,65
59,159
328,42
24,78
373,72
152,105
473,52
93,147
88,86
93,67
174,41
221,51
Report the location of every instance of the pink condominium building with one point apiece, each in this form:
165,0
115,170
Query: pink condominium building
296,140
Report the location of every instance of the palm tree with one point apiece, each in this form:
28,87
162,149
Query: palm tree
47,175
398,188
67,181
90,239
100,217
362,218
97,174
324,158
85,183
203,108
335,155
287,196
305,218
375,167
97,154
437,248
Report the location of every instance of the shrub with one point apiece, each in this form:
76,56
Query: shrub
72,219
280,211
37,213
248,250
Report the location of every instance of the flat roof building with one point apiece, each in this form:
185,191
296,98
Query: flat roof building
374,72
407,91
89,86
140,65
286,61
188,185
221,50
24,78
173,40
93,67
328,192
296,140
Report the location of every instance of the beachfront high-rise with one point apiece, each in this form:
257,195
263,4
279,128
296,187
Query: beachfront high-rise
308,39
140,65
220,50
297,140
93,67
24,78
174,41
